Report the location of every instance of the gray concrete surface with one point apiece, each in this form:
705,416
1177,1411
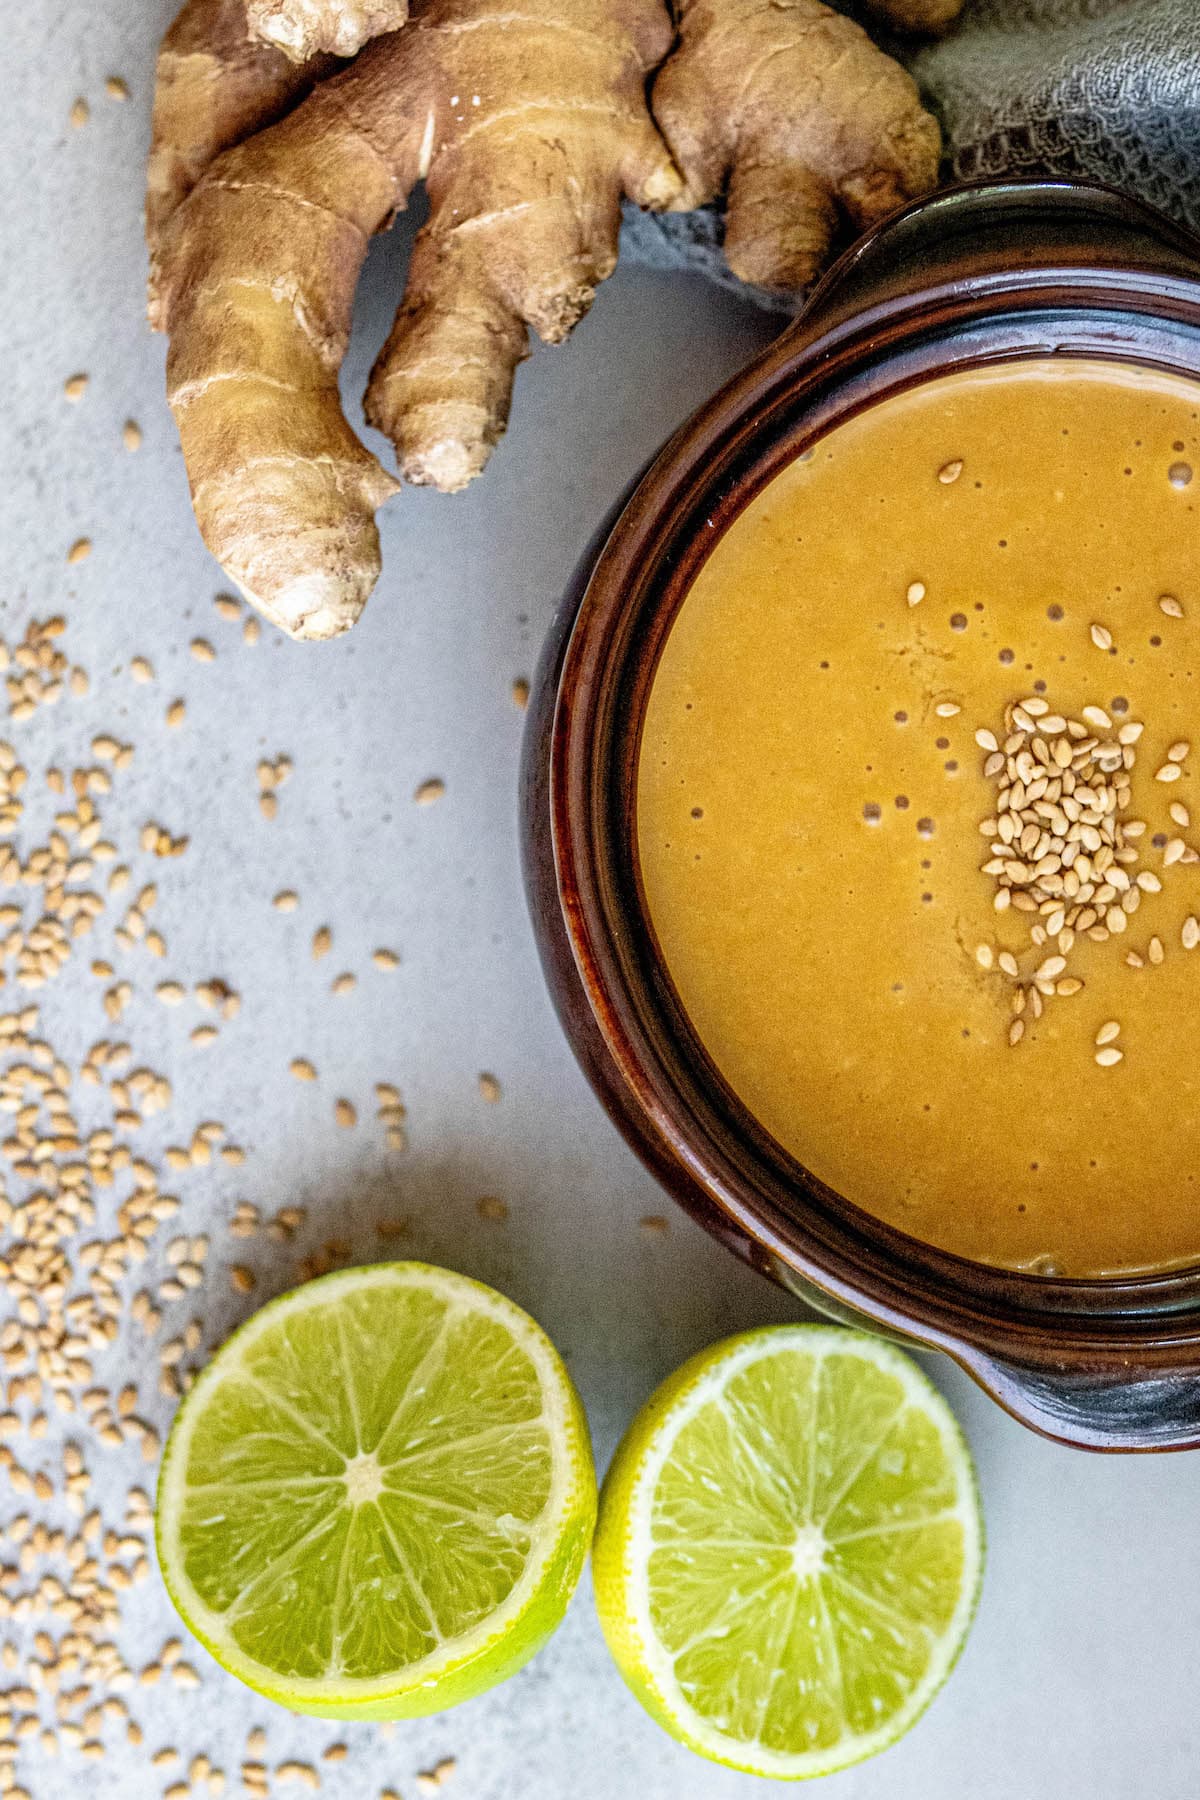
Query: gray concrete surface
1079,1681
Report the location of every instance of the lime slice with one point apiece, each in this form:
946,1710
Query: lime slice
789,1550
377,1499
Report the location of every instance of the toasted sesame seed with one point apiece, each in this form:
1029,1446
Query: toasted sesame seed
1178,752
1171,606
202,650
915,593
131,435
520,693
176,713
345,1114
986,739
429,791
947,709
344,983
1189,935
984,955
322,942
302,1069
80,550
1178,812
1129,734
1101,637
1154,950
950,471
1107,1032
489,1087
385,959
1169,771
1109,1057
1016,1031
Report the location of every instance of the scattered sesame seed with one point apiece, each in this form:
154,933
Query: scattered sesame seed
1107,1032
80,113
302,1069
1101,637
429,791
322,942
1171,606
1170,771
131,435
950,471
915,593
489,1088
345,1114
202,650
1109,1057
80,550
520,693
116,88
176,713
385,959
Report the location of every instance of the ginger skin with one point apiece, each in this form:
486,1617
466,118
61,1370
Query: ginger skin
917,15
304,28
215,86
528,131
796,110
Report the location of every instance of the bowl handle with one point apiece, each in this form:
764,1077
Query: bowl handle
992,235
1152,1403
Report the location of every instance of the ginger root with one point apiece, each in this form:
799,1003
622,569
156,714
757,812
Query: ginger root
303,28
917,15
794,109
215,86
528,131
529,128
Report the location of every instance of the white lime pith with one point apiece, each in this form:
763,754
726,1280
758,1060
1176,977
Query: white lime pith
378,1498
789,1550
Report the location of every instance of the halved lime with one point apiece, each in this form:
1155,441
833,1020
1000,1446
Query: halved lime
377,1499
789,1550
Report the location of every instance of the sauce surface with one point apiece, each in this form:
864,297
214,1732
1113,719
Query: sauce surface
808,820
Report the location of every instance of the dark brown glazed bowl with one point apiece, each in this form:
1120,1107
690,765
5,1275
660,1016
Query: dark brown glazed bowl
997,271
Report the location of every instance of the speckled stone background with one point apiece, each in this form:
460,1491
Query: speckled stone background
1079,1682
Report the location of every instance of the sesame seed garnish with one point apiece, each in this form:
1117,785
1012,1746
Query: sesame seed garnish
947,709
80,550
322,942
131,435
489,1088
1179,813
344,1113
429,791
1108,1032
1178,752
1189,935
1101,637
950,471
202,650
302,1069
74,388
1109,1057
520,693
1155,951
286,901
915,593
385,959
1171,606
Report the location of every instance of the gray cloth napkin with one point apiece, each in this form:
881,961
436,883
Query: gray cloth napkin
1104,88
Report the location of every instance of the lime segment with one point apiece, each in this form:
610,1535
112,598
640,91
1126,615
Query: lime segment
789,1550
378,1497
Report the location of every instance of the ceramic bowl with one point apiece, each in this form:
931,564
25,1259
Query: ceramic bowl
997,271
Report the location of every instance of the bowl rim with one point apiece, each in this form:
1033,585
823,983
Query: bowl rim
1141,305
